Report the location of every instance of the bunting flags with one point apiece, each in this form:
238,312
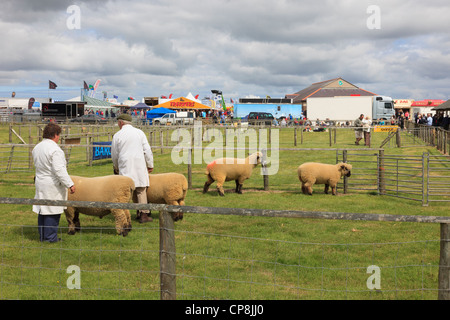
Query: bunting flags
51,85
86,86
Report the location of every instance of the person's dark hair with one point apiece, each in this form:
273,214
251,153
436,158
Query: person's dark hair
51,130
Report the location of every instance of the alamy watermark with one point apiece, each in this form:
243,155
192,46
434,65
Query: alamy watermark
374,281
374,20
74,280
73,22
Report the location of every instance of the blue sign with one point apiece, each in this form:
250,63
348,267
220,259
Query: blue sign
103,151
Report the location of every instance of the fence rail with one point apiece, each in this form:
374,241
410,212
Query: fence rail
167,252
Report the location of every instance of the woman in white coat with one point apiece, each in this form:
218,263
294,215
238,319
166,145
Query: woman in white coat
132,157
51,182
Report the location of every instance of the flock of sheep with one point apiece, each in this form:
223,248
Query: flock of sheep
171,188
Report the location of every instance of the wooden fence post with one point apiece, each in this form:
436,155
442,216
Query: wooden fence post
398,139
190,168
264,169
344,159
167,256
295,136
444,263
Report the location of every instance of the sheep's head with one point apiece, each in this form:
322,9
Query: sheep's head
345,169
256,158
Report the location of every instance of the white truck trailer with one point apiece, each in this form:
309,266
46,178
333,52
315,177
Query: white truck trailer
349,108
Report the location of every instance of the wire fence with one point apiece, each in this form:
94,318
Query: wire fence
166,263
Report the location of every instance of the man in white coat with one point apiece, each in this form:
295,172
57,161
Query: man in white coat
51,182
132,157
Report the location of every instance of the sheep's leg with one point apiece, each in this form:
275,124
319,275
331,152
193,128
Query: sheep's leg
239,186
308,187
128,216
220,187
176,215
333,190
207,184
303,188
327,186
120,217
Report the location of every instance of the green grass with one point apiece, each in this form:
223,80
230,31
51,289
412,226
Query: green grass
230,257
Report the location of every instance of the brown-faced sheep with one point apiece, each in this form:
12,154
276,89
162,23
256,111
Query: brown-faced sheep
227,169
112,188
311,173
168,188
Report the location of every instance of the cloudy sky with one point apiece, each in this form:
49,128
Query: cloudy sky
244,48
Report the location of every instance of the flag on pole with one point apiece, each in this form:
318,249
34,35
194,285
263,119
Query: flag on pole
86,87
51,85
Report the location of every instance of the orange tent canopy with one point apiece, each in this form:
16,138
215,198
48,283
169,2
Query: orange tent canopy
182,103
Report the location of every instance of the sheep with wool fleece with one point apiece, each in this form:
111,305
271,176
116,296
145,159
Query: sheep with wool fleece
113,188
311,173
227,169
168,188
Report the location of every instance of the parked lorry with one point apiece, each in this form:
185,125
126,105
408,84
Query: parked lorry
349,108
178,118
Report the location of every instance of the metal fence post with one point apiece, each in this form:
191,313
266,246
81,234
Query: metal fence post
425,165
381,182
167,256
444,263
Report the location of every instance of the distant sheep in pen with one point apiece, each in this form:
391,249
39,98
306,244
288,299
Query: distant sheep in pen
311,173
112,188
227,169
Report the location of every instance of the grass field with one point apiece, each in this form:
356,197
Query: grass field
230,257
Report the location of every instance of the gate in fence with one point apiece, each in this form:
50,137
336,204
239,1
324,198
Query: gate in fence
423,178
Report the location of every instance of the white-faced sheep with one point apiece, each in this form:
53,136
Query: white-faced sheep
168,188
311,173
112,188
227,169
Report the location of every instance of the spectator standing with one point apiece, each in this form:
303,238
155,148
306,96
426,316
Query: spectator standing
132,157
51,182
359,129
429,120
366,125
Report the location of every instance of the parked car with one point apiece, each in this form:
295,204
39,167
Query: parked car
89,118
260,118
178,118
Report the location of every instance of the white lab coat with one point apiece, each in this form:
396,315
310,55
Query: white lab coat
131,154
52,179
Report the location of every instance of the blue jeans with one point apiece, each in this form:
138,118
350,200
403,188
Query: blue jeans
48,227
